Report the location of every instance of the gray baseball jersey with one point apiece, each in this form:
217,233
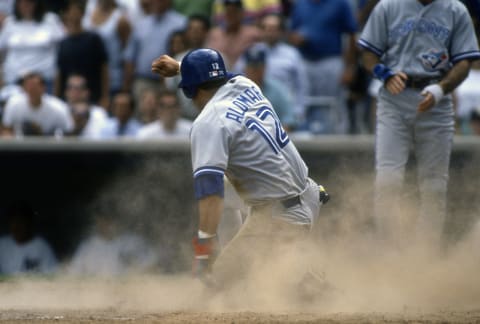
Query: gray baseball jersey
238,134
420,40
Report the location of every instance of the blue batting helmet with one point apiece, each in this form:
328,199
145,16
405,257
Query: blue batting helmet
198,67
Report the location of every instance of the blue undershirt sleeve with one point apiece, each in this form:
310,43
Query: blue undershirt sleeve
208,184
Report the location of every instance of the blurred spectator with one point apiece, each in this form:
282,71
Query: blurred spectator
110,251
34,112
88,118
23,250
279,96
197,7
108,20
284,62
30,38
6,9
317,29
169,123
359,104
177,43
196,34
82,52
467,97
147,106
234,37
134,9
149,40
254,10
123,123
475,121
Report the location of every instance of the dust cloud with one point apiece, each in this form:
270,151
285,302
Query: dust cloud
363,274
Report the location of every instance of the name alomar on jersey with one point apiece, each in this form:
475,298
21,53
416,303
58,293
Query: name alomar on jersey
248,97
421,25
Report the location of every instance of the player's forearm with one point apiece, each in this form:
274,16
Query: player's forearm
370,60
210,209
349,56
455,76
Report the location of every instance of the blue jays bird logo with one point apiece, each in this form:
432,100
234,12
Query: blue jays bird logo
434,60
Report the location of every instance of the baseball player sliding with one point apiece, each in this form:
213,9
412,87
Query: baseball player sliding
238,134
421,50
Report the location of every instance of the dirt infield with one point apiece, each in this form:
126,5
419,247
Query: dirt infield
115,316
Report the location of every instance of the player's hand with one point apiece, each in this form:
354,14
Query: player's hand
205,251
396,83
166,66
432,94
427,103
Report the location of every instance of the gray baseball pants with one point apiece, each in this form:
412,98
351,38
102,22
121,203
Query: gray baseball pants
401,129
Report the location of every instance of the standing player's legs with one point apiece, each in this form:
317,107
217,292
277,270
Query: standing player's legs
392,147
434,132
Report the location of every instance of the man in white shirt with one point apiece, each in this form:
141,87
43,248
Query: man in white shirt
169,123
34,112
89,119
109,251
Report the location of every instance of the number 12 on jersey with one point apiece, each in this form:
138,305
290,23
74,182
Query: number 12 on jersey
281,138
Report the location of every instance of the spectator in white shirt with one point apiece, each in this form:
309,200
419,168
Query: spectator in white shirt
30,37
169,123
33,112
111,251
22,250
89,119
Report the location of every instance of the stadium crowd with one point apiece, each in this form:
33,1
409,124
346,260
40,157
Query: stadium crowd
82,68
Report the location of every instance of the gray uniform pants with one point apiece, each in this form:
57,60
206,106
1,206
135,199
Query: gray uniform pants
265,237
399,130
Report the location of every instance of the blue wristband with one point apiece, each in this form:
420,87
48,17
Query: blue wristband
382,72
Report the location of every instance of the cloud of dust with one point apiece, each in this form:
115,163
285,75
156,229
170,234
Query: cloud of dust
364,274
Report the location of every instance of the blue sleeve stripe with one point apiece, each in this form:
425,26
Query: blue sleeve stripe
208,185
208,170
370,47
466,55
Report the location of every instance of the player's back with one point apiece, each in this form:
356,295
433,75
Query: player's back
239,132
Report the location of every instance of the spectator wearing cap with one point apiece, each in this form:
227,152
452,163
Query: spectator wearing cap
255,66
33,112
169,124
196,34
284,62
254,10
30,38
234,37
148,41
23,250
318,28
